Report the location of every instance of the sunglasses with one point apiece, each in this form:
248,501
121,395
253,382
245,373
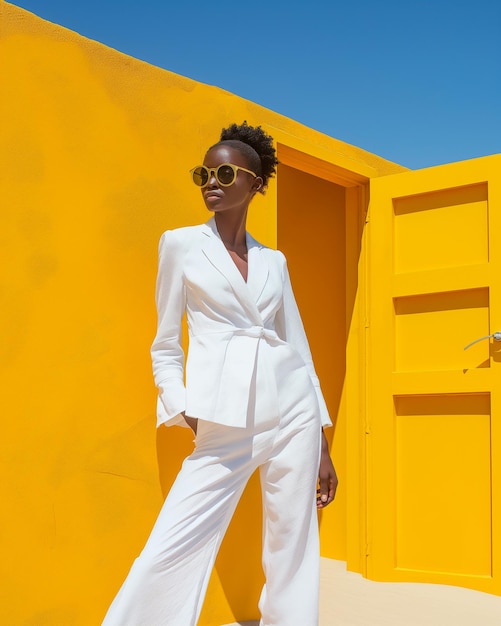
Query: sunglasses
225,174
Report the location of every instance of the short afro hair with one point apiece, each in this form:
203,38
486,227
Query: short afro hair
256,145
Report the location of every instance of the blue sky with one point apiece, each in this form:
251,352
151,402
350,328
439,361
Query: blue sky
418,82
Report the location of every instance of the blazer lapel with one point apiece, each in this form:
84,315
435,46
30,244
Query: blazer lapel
258,268
216,253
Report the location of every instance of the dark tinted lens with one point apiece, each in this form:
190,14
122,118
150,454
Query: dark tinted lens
200,176
225,174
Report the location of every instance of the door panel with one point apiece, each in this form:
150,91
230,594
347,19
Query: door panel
434,445
431,488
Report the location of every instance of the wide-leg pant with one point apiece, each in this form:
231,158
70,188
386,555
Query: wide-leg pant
167,583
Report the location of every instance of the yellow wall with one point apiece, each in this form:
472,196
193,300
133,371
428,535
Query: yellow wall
95,148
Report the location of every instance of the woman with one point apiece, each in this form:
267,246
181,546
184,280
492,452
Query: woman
251,397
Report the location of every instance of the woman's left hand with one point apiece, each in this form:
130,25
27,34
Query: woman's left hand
327,477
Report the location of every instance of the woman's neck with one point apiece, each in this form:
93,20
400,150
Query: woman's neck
232,229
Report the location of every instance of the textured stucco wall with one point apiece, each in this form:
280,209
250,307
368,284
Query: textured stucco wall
95,149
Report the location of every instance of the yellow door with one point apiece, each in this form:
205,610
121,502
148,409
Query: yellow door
434,408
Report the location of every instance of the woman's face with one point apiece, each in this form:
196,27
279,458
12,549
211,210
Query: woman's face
237,196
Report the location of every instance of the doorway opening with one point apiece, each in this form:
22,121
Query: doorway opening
320,220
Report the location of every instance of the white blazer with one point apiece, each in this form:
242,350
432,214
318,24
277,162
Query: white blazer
227,319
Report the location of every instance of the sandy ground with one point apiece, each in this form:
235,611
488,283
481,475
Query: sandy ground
348,599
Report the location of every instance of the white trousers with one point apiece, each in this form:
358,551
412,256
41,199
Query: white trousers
167,583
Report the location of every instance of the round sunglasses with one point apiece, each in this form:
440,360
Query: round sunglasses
225,174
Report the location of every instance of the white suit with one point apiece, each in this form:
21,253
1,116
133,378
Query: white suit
226,318
251,383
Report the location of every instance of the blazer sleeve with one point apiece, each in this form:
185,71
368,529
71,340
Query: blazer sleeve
289,327
167,351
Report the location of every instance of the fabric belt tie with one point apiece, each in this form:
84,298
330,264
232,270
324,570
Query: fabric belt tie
238,373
